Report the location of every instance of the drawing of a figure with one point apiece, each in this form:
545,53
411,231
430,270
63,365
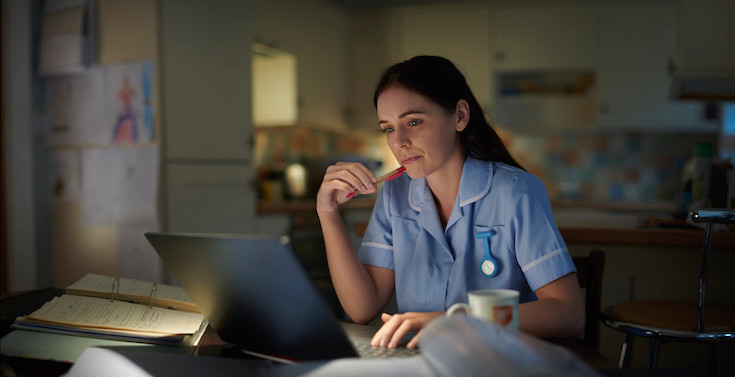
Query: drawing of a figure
126,129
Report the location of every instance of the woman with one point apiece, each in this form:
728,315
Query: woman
425,239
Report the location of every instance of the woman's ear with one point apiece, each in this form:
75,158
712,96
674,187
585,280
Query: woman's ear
463,115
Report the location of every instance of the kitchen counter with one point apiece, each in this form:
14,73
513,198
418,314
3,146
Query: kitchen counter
624,227
578,224
646,236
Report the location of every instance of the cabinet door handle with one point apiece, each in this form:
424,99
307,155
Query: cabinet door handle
671,67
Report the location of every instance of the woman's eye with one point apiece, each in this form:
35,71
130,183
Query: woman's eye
414,122
387,130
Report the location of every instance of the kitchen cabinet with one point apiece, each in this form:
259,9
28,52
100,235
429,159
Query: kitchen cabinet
274,87
371,50
316,33
463,35
548,37
205,78
382,37
636,42
704,68
532,101
210,198
206,115
544,67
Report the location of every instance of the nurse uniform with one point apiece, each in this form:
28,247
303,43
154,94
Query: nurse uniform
499,209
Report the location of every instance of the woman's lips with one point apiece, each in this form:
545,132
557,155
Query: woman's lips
409,160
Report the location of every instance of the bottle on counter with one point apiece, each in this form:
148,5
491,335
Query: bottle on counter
695,179
705,181
270,185
701,175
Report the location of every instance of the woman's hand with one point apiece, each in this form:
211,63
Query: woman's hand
396,326
340,180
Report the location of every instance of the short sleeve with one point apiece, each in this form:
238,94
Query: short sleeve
376,248
540,249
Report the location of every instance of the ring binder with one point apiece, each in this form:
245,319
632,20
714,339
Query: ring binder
154,289
115,286
131,290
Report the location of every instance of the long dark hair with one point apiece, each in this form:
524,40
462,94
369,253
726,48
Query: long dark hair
439,80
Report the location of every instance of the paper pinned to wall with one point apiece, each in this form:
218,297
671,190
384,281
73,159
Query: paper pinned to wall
66,185
107,104
120,186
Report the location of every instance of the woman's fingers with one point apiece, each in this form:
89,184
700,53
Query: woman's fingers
340,180
355,174
414,342
382,336
396,327
403,329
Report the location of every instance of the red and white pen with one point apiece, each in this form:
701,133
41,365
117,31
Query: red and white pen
385,177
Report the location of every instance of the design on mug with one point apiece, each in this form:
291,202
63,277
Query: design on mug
503,314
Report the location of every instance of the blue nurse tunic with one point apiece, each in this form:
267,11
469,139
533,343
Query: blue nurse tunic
435,267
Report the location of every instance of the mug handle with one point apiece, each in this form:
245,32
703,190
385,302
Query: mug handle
458,306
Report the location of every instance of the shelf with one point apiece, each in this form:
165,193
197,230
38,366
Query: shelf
303,206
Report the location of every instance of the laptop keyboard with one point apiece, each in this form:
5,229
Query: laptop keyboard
367,351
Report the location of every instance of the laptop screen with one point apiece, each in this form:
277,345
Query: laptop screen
255,293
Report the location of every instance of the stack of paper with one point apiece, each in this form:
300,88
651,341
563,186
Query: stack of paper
143,320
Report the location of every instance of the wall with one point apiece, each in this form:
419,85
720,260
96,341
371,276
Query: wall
78,244
17,149
205,144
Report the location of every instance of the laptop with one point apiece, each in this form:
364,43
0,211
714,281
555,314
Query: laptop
255,294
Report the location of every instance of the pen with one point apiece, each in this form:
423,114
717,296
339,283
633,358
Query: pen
385,177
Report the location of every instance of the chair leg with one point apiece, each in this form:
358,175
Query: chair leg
652,358
626,352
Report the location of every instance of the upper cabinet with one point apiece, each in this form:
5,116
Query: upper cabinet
316,33
274,87
371,50
637,41
537,66
704,68
544,59
205,69
381,37
545,37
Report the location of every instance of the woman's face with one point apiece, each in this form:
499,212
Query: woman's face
421,134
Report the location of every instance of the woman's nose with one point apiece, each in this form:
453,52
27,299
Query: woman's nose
400,138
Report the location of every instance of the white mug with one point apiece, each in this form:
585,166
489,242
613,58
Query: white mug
499,306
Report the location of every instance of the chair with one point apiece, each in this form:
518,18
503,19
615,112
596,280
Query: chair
589,274
664,321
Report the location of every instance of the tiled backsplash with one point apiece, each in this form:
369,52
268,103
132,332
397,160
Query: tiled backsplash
608,167
591,167
276,145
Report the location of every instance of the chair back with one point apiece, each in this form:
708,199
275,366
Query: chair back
589,273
